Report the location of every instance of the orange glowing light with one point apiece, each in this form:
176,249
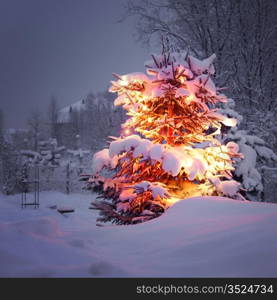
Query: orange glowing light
190,98
127,131
172,200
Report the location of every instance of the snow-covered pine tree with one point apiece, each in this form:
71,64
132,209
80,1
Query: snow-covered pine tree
2,141
78,156
9,162
50,152
257,155
169,147
10,166
53,113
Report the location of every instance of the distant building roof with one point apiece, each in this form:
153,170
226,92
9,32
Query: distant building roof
64,113
100,100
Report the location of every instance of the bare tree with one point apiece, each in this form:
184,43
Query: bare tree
53,111
1,146
1,124
9,162
35,124
242,33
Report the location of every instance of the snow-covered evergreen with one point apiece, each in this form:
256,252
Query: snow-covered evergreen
171,140
256,154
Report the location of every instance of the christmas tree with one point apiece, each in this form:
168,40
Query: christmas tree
170,147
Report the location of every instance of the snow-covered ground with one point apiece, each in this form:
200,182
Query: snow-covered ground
197,237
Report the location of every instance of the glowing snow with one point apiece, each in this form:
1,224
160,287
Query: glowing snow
100,159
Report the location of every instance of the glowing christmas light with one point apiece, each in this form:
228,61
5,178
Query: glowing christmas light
190,98
127,131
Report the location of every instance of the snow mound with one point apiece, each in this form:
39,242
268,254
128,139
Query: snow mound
196,237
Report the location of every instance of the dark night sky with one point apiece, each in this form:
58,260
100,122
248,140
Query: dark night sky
64,48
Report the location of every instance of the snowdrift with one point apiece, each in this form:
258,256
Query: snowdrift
197,237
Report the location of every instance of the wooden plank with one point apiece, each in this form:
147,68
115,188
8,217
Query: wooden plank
65,210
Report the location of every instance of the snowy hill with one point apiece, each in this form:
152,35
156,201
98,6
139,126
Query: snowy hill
197,237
